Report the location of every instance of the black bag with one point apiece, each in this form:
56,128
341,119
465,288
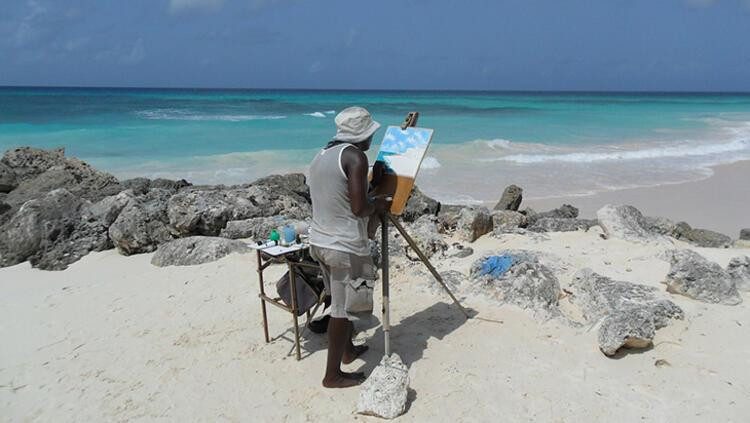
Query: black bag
309,288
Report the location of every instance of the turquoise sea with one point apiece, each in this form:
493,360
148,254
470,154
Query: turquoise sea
552,144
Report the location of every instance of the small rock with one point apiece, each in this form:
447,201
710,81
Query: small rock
107,210
385,392
195,250
556,224
424,232
473,223
745,234
448,217
419,205
658,225
566,211
142,224
504,221
662,363
701,237
458,251
511,198
630,329
695,277
739,271
626,222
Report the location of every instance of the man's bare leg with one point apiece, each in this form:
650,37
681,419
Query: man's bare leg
352,352
339,334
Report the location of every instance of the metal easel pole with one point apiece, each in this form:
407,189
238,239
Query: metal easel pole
384,264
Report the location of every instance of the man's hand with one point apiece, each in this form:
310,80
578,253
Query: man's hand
382,204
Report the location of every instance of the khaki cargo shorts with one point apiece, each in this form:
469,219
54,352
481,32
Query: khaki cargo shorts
339,269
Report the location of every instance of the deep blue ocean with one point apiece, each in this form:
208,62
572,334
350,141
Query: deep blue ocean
552,144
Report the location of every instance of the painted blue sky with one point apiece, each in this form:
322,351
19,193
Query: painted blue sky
388,44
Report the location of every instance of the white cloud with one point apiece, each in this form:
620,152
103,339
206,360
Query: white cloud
177,6
27,30
136,54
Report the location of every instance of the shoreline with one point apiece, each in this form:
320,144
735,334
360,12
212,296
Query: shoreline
720,202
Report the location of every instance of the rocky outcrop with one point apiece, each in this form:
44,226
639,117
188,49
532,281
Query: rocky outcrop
141,186
504,221
511,198
556,224
385,391
207,211
7,178
292,182
50,232
419,205
626,222
142,224
257,228
695,277
29,162
630,313
107,210
527,284
739,270
196,250
700,237
473,222
425,234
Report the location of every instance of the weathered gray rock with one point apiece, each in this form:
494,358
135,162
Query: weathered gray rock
50,233
107,210
29,162
556,224
141,186
632,328
448,217
695,277
419,205
745,234
294,182
598,296
196,250
457,250
511,198
626,222
7,178
658,225
631,312
207,211
739,271
701,237
504,221
257,228
142,225
474,222
385,392
527,284
566,211
424,232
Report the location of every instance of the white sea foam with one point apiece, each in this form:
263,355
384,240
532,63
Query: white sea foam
181,114
316,114
671,151
430,163
498,144
330,112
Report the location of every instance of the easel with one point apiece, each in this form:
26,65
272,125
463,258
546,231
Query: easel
410,121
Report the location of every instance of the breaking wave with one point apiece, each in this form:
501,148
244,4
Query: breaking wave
316,114
181,114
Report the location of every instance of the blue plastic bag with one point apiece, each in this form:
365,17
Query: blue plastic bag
495,266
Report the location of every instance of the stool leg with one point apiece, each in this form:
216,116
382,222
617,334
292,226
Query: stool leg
262,301
293,282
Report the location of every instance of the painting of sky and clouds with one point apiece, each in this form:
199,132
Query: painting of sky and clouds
403,150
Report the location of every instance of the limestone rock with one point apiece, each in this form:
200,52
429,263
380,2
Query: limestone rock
107,210
292,182
473,223
419,205
385,392
29,162
511,198
632,328
7,178
425,234
627,223
207,211
504,221
695,277
745,234
556,224
739,271
701,237
142,225
658,225
195,250
448,217
257,228
566,211
141,186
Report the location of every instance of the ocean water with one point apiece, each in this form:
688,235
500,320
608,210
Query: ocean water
551,144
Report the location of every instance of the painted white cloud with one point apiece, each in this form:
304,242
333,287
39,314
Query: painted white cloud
177,6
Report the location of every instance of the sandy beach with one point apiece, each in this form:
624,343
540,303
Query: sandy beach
719,203
114,338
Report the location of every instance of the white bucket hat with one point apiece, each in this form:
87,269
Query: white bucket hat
354,124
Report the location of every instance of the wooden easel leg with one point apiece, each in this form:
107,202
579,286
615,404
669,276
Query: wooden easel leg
426,262
293,284
262,301
386,291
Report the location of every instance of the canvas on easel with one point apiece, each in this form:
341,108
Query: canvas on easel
402,152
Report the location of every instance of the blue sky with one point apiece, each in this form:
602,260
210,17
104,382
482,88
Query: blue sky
405,44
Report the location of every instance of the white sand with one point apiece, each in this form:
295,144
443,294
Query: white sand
113,338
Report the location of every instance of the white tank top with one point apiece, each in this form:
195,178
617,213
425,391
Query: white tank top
334,225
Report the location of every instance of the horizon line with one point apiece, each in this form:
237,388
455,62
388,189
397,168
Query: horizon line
457,90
